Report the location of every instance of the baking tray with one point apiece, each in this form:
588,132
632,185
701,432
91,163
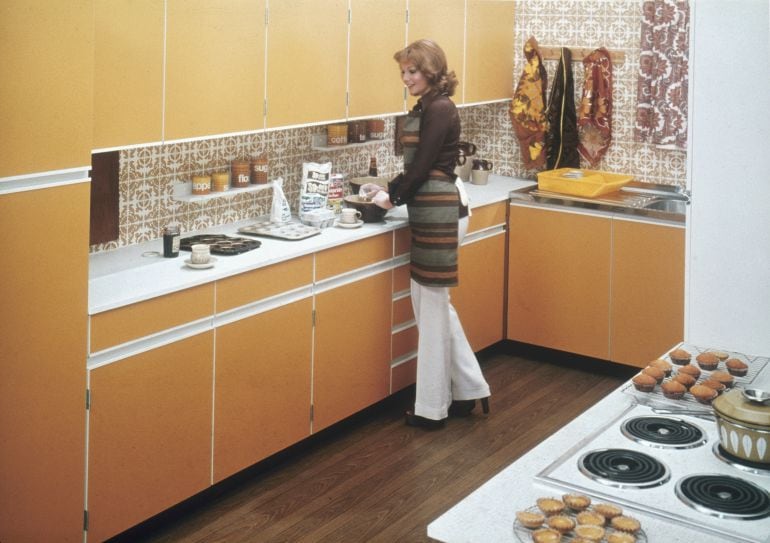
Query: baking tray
292,231
220,244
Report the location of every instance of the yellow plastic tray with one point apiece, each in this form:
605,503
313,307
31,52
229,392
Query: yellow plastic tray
592,183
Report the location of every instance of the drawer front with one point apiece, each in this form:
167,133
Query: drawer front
141,319
404,342
401,278
403,375
489,215
402,311
402,242
351,256
258,284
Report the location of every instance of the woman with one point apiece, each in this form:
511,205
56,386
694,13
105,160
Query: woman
449,379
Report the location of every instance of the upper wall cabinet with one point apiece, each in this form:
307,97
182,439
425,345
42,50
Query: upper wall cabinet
377,30
441,21
489,51
307,52
46,94
215,54
128,72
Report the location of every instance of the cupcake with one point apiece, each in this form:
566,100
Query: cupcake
680,357
576,502
530,519
590,517
689,369
662,365
703,394
621,537
626,524
608,510
707,361
724,378
655,373
590,532
673,390
561,523
550,506
546,535
737,367
716,385
686,379
644,382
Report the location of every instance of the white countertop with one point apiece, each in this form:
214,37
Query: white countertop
123,276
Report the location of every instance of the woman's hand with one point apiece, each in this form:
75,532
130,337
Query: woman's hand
368,190
382,199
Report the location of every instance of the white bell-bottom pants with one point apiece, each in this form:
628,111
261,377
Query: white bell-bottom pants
447,368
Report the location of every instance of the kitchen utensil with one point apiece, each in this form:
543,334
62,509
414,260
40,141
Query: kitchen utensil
370,212
757,395
744,426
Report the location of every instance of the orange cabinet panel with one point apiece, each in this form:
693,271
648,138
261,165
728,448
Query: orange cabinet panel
42,364
647,311
404,342
489,60
351,256
558,280
401,278
143,318
402,242
402,311
480,297
403,375
351,368
262,283
149,433
262,386
487,216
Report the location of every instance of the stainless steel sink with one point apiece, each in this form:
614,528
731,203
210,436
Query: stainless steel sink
668,205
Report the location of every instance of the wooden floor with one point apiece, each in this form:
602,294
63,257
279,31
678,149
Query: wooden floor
373,479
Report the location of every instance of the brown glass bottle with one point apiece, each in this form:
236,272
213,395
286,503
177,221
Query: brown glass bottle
373,166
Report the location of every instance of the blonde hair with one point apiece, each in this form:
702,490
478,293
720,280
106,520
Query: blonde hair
429,58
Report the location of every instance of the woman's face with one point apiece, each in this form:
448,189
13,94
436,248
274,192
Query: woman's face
414,79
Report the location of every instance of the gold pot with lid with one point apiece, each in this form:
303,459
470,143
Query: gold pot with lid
744,426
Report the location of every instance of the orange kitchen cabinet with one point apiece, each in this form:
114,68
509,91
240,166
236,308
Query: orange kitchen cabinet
489,51
44,293
262,386
558,280
375,84
215,67
149,433
346,258
128,68
351,364
647,296
46,95
306,61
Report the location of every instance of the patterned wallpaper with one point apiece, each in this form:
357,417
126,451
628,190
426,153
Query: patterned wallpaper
148,174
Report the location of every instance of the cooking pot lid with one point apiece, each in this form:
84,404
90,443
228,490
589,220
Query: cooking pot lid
733,405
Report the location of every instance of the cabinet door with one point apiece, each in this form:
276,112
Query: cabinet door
479,298
441,21
262,386
43,334
46,94
489,50
306,61
351,364
377,31
149,434
128,72
647,311
558,280
214,67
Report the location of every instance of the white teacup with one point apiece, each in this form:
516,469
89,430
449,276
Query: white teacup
201,253
348,215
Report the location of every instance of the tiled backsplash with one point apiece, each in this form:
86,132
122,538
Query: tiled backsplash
148,174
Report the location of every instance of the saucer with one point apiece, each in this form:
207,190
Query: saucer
209,264
349,224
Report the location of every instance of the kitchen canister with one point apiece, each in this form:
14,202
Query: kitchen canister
259,170
375,129
336,134
240,173
220,181
201,184
356,131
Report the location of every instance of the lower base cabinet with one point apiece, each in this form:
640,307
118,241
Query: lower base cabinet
261,386
149,433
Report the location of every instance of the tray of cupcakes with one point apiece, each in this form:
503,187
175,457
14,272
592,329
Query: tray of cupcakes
574,518
693,377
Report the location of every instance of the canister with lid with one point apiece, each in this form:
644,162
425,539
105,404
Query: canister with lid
259,170
220,181
240,173
201,184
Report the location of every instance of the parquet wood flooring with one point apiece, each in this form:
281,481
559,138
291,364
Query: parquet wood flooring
373,479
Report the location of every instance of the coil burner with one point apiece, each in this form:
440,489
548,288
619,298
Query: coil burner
623,468
744,465
663,432
724,496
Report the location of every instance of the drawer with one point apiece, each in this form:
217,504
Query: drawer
351,256
402,311
489,215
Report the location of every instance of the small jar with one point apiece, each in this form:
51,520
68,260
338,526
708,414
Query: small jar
201,184
259,170
240,173
220,181
375,129
171,241
336,134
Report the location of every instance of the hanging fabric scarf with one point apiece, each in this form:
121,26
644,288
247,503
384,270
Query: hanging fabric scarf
562,138
661,111
595,115
528,108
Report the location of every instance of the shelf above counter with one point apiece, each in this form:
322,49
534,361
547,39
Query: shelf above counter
318,143
183,192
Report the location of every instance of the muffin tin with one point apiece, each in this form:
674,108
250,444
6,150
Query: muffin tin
220,244
290,231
